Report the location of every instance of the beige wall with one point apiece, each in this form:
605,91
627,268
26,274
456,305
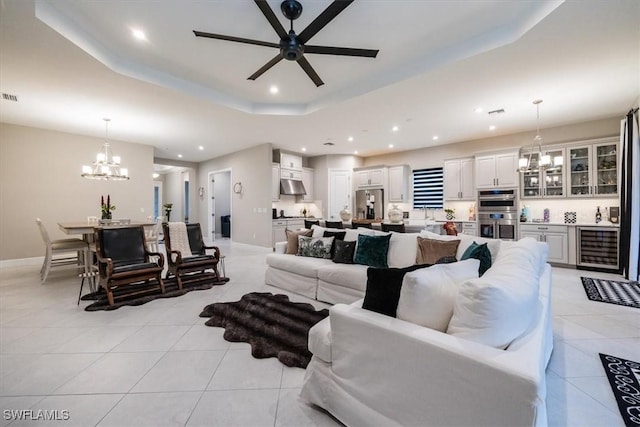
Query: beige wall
40,177
321,166
252,168
434,156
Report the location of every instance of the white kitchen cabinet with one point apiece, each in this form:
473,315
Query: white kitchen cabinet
307,181
290,161
275,182
497,170
593,169
370,178
469,228
399,183
547,183
556,236
458,179
280,225
291,174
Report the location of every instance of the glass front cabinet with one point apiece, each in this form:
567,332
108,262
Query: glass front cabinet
594,170
549,182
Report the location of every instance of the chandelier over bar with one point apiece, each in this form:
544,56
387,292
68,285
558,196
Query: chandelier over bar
107,166
544,160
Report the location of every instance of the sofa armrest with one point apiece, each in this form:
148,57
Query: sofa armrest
281,247
444,380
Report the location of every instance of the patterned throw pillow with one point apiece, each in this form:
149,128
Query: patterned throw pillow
315,247
292,240
372,250
481,253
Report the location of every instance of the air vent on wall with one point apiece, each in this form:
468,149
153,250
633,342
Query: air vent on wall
10,97
329,144
499,111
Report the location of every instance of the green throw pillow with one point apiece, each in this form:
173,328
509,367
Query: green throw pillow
315,247
372,250
481,253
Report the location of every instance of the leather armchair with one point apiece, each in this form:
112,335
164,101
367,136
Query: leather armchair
123,259
180,265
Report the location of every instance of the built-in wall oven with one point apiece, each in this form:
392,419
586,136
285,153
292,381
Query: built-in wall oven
498,213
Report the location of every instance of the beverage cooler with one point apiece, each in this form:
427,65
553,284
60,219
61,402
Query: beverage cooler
598,247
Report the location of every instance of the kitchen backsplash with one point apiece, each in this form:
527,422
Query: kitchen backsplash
585,209
291,208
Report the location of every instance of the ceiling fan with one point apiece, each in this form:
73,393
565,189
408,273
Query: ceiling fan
293,46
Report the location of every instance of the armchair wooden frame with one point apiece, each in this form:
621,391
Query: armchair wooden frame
181,266
123,259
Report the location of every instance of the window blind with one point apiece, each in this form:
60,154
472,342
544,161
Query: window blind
428,188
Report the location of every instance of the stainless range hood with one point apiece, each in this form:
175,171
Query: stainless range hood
292,187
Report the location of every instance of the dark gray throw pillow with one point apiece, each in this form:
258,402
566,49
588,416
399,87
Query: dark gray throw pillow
383,288
339,235
343,251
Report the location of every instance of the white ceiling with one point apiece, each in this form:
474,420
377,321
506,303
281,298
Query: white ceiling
73,62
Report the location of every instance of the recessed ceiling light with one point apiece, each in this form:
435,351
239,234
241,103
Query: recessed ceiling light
156,175
478,110
179,156
395,128
355,152
304,149
492,127
350,139
200,147
274,89
390,145
435,137
138,34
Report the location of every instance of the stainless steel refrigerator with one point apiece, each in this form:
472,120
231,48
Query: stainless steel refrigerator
369,204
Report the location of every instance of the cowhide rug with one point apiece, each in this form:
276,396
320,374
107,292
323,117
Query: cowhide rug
271,324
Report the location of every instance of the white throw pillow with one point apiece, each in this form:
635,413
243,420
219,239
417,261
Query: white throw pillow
498,307
402,249
428,295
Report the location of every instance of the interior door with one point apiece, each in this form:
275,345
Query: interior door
339,192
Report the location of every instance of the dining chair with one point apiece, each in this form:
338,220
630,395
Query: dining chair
309,222
333,224
360,225
399,228
64,248
152,236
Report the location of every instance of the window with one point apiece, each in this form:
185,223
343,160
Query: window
428,188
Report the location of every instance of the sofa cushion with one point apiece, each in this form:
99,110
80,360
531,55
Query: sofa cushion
352,276
343,252
372,250
481,253
304,266
292,239
428,295
319,247
383,288
402,250
429,251
498,307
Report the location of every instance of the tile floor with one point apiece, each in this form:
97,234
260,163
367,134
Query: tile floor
157,364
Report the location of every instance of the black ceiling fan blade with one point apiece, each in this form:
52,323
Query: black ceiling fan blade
235,39
323,19
265,67
344,51
271,17
310,71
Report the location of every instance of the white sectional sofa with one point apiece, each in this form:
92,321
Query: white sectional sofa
486,369
327,281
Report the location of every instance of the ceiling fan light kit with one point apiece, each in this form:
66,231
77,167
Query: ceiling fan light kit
293,46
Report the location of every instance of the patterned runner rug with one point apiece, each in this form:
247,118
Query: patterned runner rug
612,291
624,378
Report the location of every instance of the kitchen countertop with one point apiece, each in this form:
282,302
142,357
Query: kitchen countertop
578,224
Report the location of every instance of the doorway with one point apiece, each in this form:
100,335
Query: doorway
219,223
339,192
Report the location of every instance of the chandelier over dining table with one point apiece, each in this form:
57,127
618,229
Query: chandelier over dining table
107,166
536,159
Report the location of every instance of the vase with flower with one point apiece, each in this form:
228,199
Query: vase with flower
106,208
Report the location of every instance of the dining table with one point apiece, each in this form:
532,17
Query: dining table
88,228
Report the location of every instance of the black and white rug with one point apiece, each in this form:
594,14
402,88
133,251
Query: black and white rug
624,378
612,291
